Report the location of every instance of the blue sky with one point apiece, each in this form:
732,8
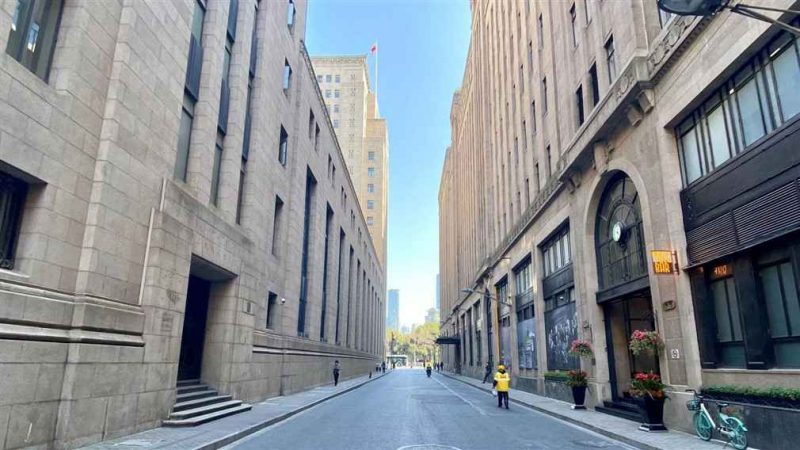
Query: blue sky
422,47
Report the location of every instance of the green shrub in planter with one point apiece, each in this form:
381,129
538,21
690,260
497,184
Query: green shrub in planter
771,396
560,377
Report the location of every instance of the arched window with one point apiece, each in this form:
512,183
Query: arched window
619,238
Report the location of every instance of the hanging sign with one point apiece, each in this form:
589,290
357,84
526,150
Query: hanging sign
665,262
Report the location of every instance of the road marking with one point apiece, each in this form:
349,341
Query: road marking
461,397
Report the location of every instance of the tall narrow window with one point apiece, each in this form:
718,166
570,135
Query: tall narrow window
311,186
326,249
272,310
184,138
579,105
611,60
191,91
277,220
538,178
588,9
291,12
311,124
549,170
316,137
287,76
573,20
779,290
595,85
533,117
730,339
34,29
283,147
240,198
216,171
540,30
544,95
340,271
12,201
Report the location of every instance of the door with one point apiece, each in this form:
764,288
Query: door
190,362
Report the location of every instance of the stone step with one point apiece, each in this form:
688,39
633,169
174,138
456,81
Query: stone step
194,421
203,410
187,382
193,388
200,402
195,395
621,410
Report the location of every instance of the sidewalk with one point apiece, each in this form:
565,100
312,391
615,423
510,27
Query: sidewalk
611,426
217,434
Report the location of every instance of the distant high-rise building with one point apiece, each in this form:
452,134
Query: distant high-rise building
438,286
362,133
393,310
432,316
405,329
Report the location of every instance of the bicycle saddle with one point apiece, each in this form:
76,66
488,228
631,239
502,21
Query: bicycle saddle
722,405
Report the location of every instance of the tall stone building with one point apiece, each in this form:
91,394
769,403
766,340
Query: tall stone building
594,145
176,208
362,133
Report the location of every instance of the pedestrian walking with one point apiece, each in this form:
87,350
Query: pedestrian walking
487,371
501,384
336,370
383,367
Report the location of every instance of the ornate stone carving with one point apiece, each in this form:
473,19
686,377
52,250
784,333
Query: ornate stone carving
676,29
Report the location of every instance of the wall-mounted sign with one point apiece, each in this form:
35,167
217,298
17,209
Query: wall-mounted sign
721,271
665,262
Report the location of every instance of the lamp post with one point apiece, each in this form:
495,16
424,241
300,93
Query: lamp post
707,8
495,316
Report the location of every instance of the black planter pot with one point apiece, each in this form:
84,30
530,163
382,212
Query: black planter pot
578,397
652,412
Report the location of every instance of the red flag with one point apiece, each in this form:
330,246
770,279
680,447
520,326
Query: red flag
374,48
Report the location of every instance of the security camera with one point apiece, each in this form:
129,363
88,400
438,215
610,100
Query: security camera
283,300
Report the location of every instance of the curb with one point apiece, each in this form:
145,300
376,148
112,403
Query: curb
233,437
598,430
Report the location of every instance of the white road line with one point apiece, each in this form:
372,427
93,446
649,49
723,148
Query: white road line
461,397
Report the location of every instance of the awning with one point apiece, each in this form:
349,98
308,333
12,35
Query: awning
448,340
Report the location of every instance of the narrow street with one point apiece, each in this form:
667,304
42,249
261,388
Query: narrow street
406,410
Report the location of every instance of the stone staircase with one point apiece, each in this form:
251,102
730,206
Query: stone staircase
196,403
623,410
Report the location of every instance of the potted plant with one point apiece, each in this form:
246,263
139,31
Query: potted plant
645,342
577,379
649,390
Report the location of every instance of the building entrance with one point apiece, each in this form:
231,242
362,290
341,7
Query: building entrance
190,362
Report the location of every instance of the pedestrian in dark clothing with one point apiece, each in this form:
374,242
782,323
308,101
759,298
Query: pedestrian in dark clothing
487,372
383,367
336,370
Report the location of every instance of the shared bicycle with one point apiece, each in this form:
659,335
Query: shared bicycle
731,427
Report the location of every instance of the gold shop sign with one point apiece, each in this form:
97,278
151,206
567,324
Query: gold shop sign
665,262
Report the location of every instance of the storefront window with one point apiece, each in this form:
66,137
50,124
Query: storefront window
779,289
561,327
729,325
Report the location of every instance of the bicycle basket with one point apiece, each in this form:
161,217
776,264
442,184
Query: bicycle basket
693,405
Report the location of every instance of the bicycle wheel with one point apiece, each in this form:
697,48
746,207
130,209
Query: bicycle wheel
702,426
738,437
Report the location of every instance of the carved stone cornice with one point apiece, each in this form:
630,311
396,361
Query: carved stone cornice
680,33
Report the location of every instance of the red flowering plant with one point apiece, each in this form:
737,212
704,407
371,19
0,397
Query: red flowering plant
645,342
647,384
581,349
576,378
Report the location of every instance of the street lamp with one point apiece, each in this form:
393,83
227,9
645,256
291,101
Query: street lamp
710,7
486,293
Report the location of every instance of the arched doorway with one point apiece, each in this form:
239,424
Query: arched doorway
623,282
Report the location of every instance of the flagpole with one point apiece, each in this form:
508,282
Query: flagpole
376,70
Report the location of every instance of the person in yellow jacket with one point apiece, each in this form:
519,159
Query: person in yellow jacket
502,382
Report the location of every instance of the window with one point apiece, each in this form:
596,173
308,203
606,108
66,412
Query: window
311,123
729,338
595,85
34,29
277,222
283,147
559,320
12,201
370,204
547,153
579,105
338,78
316,137
588,8
328,78
308,210
272,310
335,107
533,116
573,18
184,138
327,93
371,172
370,220
371,156
780,294
556,253
610,60
538,178
370,188
544,95
291,12
240,195
336,93
216,170
335,123
319,78
738,113
540,31
287,76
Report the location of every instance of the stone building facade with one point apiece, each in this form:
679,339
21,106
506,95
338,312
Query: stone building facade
587,135
362,133
175,205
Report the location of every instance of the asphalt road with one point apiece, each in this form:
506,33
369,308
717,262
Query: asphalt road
405,410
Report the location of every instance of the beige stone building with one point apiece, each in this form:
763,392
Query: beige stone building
176,208
362,133
587,135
